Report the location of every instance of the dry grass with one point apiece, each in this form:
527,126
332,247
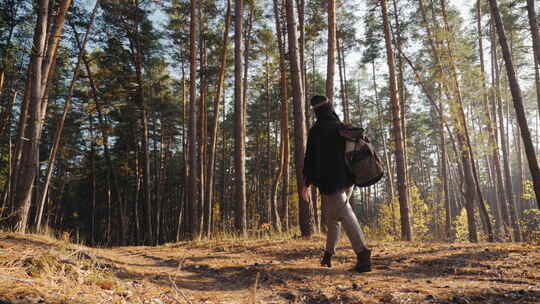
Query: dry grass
36,268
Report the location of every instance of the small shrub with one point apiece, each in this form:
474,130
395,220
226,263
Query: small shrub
530,223
461,226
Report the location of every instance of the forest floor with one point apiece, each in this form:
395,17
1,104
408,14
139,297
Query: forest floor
37,269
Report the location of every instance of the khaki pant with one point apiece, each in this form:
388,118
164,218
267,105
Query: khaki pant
338,210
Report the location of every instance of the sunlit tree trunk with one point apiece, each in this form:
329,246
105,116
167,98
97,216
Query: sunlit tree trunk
463,136
239,155
401,85
60,127
306,217
23,190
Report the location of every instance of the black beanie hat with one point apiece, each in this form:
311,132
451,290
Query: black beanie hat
317,99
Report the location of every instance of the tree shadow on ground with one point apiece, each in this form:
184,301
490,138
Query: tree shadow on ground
343,253
203,277
453,264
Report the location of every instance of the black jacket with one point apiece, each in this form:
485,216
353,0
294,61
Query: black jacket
324,163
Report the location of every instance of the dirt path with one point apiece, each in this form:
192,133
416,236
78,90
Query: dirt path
287,271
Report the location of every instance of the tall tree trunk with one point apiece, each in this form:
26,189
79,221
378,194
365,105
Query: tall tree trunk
331,51
406,231
239,154
520,175
401,85
301,4
49,60
27,167
217,98
20,142
149,230
93,189
284,118
497,110
490,127
465,143
60,126
192,206
185,158
518,104
444,179
247,49
390,175
273,210
204,208
306,218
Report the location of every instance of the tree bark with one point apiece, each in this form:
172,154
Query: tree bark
92,187
518,104
138,61
465,144
28,162
497,110
284,118
239,154
192,206
490,127
306,218
60,126
204,206
217,98
401,85
406,231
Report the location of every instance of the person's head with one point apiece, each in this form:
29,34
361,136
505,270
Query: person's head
320,104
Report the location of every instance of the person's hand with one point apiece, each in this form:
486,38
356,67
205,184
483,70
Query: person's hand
305,193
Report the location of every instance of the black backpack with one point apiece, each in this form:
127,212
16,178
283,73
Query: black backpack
361,160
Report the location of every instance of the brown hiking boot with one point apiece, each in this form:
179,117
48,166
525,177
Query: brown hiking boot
363,261
327,259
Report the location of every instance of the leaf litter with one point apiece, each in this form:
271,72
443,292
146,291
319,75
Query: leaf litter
37,269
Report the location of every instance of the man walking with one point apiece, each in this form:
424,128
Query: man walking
324,167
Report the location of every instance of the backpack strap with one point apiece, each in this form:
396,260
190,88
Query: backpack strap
351,133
